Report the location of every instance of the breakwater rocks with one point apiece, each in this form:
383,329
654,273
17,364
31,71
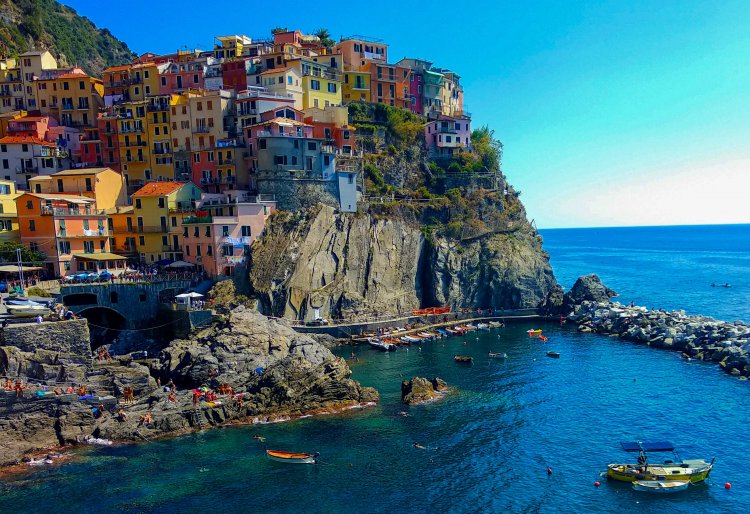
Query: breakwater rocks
419,390
261,370
698,337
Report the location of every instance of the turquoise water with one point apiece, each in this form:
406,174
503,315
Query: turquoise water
490,441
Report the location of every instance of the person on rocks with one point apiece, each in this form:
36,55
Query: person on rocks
58,391
69,390
196,398
146,419
8,384
239,400
121,416
19,389
82,390
172,398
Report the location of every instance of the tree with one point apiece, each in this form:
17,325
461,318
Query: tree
278,30
325,37
8,253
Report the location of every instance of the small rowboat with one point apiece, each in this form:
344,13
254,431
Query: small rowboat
496,324
381,345
554,355
291,457
534,332
498,355
544,339
660,486
483,326
463,358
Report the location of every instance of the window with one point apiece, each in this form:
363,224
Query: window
331,87
315,85
225,231
64,247
32,226
279,159
245,230
85,224
351,178
262,144
346,134
198,250
3,148
174,221
187,250
196,231
326,160
88,247
66,86
208,230
142,240
209,250
311,145
88,184
195,79
161,202
227,250
24,148
137,203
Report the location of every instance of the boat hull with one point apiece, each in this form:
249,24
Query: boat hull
291,458
660,486
667,471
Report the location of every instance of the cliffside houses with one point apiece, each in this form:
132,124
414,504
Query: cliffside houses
184,156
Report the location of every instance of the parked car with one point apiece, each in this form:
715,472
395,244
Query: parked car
317,322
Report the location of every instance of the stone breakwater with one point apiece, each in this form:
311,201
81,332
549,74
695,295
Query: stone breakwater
698,337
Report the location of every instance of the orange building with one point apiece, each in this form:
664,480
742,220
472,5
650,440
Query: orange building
70,230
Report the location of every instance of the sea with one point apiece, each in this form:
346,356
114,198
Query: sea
525,434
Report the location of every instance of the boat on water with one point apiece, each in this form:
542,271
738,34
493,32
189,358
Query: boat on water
410,339
498,355
292,457
544,339
27,311
496,324
443,332
693,470
463,358
426,335
660,486
469,327
534,332
554,355
483,326
458,331
381,345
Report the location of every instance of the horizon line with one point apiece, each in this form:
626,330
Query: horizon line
651,226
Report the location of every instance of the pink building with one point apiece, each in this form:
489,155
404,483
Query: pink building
447,135
219,235
177,77
31,126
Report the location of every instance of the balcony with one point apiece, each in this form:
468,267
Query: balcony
83,107
64,234
136,158
135,143
197,219
201,130
59,211
171,248
68,106
27,169
142,229
323,74
157,107
450,129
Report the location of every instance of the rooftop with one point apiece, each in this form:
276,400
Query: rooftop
158,189
113,69
63,197
10,140
80,171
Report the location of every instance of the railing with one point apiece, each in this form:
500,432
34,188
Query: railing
324,74
59,211
157,107
28,169
139,158
135,143
141,229
67,106
197,219
201,130
83,107
86,233
131,130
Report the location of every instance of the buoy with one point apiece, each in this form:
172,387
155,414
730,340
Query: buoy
597,483
727,486
549,470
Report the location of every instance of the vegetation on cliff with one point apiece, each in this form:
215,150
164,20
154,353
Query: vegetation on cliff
49,25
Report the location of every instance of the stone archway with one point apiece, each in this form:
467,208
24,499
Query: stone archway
104,324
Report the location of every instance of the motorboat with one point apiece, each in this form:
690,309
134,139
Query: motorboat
693,470
497,355
660,486
534,332
463,359
27,311
443,332
483,326
292,457
381,345
496,324
554,355
544,339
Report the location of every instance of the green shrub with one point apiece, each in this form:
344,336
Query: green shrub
38,291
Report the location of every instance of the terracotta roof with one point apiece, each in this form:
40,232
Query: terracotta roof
72,76
281,121
117,68
275,70
10,140
159,188
80,171
31,118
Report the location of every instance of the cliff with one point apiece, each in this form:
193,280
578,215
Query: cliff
49,25
346,264
277,372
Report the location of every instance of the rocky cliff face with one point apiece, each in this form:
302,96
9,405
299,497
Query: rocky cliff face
319,262
276,371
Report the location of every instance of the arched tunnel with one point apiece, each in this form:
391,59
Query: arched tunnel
105,324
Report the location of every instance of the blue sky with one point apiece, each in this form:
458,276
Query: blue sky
612,113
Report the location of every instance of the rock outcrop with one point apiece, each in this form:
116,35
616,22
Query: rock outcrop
588,288
273,371
323,263
420,390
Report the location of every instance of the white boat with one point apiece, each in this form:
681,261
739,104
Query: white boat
381,345
497,355
27,311
661,486
410,339
483,326
496,324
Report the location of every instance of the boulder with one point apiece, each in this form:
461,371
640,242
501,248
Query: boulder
588,288
420,390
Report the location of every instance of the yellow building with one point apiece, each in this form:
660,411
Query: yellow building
356,86
6,117
229,47
72,98
33,64
11,87
144,140
104,185
144,81
158,209
8,213
284,81
321,84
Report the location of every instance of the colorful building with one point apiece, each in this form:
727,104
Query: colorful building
8,214
447,136
104,185
321,84
286,82
69,229
158,208
356,86
22,158
357,51
218,236
70,96
332,126
11,87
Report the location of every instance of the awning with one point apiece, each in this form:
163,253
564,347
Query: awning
99,257
14,269
180,264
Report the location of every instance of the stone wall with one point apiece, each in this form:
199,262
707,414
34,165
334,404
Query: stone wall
59,336
294,193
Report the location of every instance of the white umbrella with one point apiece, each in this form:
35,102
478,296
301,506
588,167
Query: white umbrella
180,264
193,294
